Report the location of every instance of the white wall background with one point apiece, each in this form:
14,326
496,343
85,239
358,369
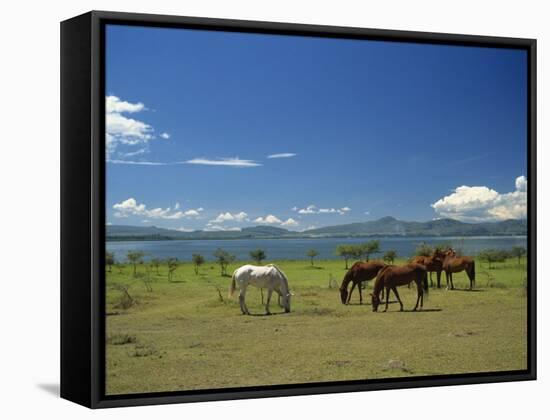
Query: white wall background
29,269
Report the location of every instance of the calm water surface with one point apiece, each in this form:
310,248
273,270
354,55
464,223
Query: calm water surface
295,249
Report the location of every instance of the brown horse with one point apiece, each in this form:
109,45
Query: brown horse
358,273
391,276
433,264
454,264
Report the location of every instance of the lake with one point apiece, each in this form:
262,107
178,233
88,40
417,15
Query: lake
295,249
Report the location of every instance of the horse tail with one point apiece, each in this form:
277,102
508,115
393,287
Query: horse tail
232,286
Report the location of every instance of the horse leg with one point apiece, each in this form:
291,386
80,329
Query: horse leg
360,295
451,277
431,280
262,293
439,279
350,292
398,298
447,279
242,297
269,293
420,291
387,298
241,302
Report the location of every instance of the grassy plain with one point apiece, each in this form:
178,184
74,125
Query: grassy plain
187,335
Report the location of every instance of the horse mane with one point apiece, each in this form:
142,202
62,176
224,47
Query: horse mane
376,287
282,275
348,277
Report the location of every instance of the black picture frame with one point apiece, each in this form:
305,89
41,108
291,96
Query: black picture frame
83,207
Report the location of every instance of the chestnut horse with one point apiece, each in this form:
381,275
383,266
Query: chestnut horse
433,264
358,273
454,264
391,276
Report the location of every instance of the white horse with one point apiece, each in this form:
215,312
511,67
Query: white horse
268,277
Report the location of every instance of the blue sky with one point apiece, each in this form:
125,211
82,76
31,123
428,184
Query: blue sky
362,130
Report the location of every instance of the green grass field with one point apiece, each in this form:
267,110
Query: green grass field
187,335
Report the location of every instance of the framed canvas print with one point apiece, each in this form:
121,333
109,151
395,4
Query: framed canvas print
255,209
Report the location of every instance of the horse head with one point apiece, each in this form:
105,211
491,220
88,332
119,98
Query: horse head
343,295
439,254
286,301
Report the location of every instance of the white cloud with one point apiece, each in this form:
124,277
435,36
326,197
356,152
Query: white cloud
130,207
124,132
313,209
138,152
184,229
521,183
114,104
134,162
290,222
226,217
235,162
213,228
483,204
281,155
127,130
268,220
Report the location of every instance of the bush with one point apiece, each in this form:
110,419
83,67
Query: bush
423,250
125,301
390,256
224,259
491,256
258,255
143,350
348,251
121,339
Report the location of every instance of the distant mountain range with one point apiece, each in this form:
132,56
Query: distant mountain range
386,226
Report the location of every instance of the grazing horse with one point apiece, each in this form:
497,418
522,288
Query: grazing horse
269,277
433,264
454,264
358,273
391,276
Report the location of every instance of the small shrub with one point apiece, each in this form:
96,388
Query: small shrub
331,282
143,350
125,301
121,339
220,296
